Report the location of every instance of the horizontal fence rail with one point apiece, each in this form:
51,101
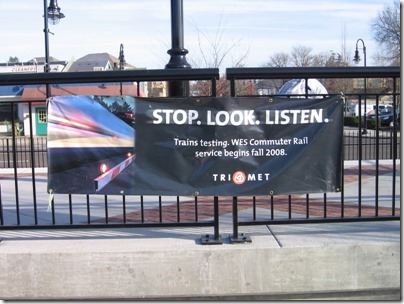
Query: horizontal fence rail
375,158
109,76
312,72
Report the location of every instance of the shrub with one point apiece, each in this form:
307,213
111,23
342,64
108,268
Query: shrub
351,121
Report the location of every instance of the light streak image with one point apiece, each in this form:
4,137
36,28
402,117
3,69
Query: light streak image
86,133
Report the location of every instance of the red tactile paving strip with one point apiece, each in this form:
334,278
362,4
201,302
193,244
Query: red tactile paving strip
299,205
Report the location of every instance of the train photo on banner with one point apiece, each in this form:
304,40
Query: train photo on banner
91,141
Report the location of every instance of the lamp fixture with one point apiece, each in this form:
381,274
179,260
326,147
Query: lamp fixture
54,14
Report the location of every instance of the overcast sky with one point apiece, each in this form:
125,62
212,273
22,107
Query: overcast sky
259,27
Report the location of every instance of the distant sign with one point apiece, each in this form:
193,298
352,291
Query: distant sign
195,146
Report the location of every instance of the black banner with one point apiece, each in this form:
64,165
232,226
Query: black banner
211,147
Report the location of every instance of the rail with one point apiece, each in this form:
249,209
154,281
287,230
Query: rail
374,158
325,208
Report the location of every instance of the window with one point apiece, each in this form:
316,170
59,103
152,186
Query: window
42,116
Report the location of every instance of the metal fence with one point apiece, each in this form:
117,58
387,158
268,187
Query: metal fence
371,173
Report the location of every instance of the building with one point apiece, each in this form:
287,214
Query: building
157,88
34,96
35,65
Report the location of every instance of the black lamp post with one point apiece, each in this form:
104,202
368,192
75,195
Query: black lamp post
177,51
52,15
357,59
121,62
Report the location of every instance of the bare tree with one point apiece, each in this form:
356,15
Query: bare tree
213,52
278,60
322,59
12,59
301,56
346,53
386,31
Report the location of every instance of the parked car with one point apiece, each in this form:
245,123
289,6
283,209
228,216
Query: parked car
386,116
391,123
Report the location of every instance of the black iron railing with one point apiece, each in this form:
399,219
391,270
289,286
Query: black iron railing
26,204
365,202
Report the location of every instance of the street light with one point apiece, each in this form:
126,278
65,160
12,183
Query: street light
357,59
52,15
121,62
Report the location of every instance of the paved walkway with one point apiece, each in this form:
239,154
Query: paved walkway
168,210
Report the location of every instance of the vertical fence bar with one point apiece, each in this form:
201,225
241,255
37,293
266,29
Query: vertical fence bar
216,217
106,209
33,165
342,177
88,209
178,209
235,218
160,210
254,209
343,192
213,84
44,149
393,196
70,209
196,208
3,154
377,158
307,206
8,154
53,210
17,201
141,209
1,209
25,153
232,87
360,158
124,208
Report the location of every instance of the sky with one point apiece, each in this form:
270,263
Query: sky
258,28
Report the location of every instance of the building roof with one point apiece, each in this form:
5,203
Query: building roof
96,61
38,93
42,59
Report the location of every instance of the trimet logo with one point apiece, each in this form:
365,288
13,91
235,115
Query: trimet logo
239,177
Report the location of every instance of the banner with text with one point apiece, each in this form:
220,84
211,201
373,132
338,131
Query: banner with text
195,146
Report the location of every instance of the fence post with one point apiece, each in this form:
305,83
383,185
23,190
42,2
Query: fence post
216,240
237,237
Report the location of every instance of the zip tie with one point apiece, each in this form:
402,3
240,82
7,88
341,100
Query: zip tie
50,200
